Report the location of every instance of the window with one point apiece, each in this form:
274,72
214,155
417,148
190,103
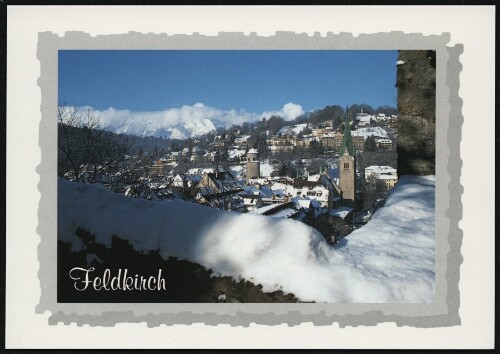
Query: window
346,164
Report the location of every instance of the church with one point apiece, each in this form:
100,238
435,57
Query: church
347,168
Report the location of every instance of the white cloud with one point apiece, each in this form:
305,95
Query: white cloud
290,111
185,121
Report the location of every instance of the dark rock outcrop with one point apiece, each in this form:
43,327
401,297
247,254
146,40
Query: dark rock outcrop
416,82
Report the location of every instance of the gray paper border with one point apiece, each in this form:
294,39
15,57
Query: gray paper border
443,312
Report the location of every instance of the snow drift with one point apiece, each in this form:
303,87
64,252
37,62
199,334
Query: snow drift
391,259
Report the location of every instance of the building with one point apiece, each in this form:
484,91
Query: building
358,142
384,143
363,119
281,211
377,171
279,143
387,174
183,180
219,142
251,201
388,180
242,141
209,156
321,189
158,168
219,190
253,165
347,168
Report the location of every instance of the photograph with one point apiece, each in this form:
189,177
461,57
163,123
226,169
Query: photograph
249,177
246,176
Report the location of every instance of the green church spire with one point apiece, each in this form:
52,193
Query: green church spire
347,140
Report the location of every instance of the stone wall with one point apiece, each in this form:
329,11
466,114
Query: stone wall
416,83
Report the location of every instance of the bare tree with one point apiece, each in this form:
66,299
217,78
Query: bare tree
84,148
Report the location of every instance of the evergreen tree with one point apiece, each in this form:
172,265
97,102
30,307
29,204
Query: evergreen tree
370,144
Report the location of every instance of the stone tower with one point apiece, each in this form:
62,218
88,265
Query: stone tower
253,164
347,168
416,82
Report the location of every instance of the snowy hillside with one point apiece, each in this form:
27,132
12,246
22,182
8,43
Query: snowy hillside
391,259
292,129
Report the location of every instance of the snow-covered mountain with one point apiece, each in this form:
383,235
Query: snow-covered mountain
184,122
185,130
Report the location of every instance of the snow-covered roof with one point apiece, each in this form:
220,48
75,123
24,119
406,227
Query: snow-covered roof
364,118
285,210
341,212
253,151
242,139
194,171
370,131
380,169
387,176
236,153
313,178
384,141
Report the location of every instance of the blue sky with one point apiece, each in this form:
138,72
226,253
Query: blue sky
253,81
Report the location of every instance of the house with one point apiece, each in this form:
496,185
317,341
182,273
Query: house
309,209
389,180
209,156
236,155
384,143
380,170
280,211
219,142
219,189
320,188
252,201
275,199
185,180
159,168
363,120
242,141
279,143
387,174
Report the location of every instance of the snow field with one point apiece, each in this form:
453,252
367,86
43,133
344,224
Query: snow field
391,259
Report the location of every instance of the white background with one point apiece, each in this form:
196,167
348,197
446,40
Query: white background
472,26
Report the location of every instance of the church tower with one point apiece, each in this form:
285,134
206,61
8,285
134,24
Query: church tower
347,168
253,165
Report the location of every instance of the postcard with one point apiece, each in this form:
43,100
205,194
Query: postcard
243,180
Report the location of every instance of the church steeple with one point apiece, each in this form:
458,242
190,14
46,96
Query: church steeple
347,167
347,142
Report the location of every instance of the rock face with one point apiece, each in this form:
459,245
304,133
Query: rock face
416,82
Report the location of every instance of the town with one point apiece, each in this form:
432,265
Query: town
331,174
